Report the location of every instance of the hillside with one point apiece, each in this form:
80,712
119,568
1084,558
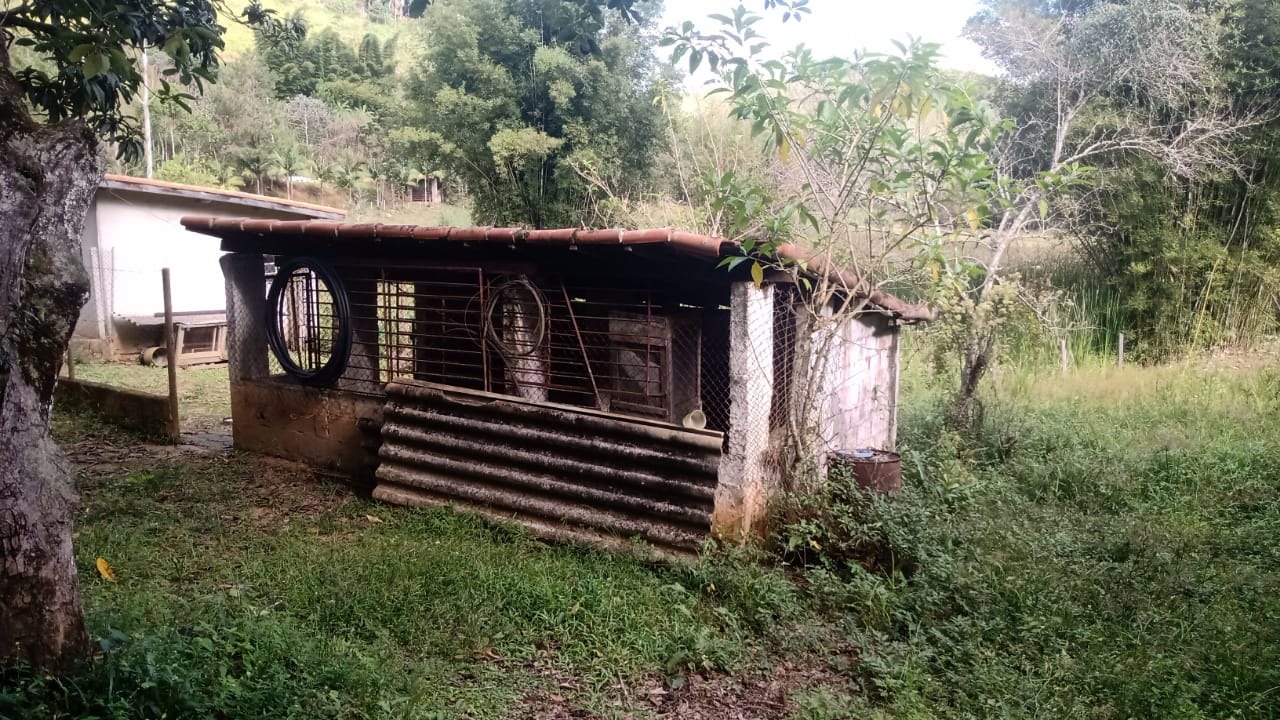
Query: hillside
344,16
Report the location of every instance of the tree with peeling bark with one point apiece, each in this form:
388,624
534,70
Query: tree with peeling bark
68,70
1093,88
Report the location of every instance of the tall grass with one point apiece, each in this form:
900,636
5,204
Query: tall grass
1230,305
1106,546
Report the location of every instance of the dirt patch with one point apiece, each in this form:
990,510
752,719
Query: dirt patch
269,494
763,695
280,493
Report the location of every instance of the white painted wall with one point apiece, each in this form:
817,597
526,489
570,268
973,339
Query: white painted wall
858,406
130,234
139,237
867,385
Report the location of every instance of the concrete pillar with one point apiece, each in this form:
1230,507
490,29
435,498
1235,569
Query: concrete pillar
529,364
246,316
746,481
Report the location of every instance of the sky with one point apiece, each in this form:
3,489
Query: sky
839,27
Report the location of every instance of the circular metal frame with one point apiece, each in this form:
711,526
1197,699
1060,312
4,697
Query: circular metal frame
340,352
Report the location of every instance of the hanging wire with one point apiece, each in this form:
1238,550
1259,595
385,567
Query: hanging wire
494,305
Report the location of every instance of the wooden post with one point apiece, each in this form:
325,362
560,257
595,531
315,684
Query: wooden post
1064,356
1120,352
71,364
171,354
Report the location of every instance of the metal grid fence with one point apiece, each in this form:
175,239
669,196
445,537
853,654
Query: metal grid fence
635,351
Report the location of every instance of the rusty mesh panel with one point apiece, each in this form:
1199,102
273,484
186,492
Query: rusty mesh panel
785,333
632,351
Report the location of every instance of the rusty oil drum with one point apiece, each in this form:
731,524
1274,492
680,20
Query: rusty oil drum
875,470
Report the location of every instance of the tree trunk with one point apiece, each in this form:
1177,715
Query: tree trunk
48,176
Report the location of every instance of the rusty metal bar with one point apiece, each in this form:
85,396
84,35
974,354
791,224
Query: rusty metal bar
484,346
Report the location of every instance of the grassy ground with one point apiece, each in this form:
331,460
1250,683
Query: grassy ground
1107,546
250,588
415,214
204,397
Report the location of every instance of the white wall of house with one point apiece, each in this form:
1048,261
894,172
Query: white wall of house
138,240
132,232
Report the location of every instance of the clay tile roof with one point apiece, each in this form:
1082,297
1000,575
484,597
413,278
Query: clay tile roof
693,245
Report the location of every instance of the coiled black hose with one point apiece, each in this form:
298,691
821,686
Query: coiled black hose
340,353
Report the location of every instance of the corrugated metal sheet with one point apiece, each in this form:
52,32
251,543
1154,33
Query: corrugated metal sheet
563,471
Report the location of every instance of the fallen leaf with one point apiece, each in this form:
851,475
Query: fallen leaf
104,569
373,518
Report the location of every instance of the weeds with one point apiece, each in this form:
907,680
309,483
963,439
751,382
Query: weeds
1096,550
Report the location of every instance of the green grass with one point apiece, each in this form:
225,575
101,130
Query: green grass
342,16
204,396
251,588
1106,545
443,215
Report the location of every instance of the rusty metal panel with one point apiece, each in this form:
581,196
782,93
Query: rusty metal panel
563,471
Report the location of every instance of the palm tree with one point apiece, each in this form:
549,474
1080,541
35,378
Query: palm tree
377,171
348,174
404,177
255,164
290,160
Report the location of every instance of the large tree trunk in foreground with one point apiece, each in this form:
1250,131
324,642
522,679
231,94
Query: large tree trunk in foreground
47,179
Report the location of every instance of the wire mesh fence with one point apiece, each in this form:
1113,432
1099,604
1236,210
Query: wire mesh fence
627,350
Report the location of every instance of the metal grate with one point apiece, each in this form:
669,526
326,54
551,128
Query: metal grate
633,351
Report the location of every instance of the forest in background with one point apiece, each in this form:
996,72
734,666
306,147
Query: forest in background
535,113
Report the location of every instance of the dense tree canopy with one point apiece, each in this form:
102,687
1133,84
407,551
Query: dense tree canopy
1173,104
527,96
303,66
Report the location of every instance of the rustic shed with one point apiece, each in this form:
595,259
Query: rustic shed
593,385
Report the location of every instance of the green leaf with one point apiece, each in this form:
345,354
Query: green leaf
120,63
95,64
1044,208
171,44
757,273
79,52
